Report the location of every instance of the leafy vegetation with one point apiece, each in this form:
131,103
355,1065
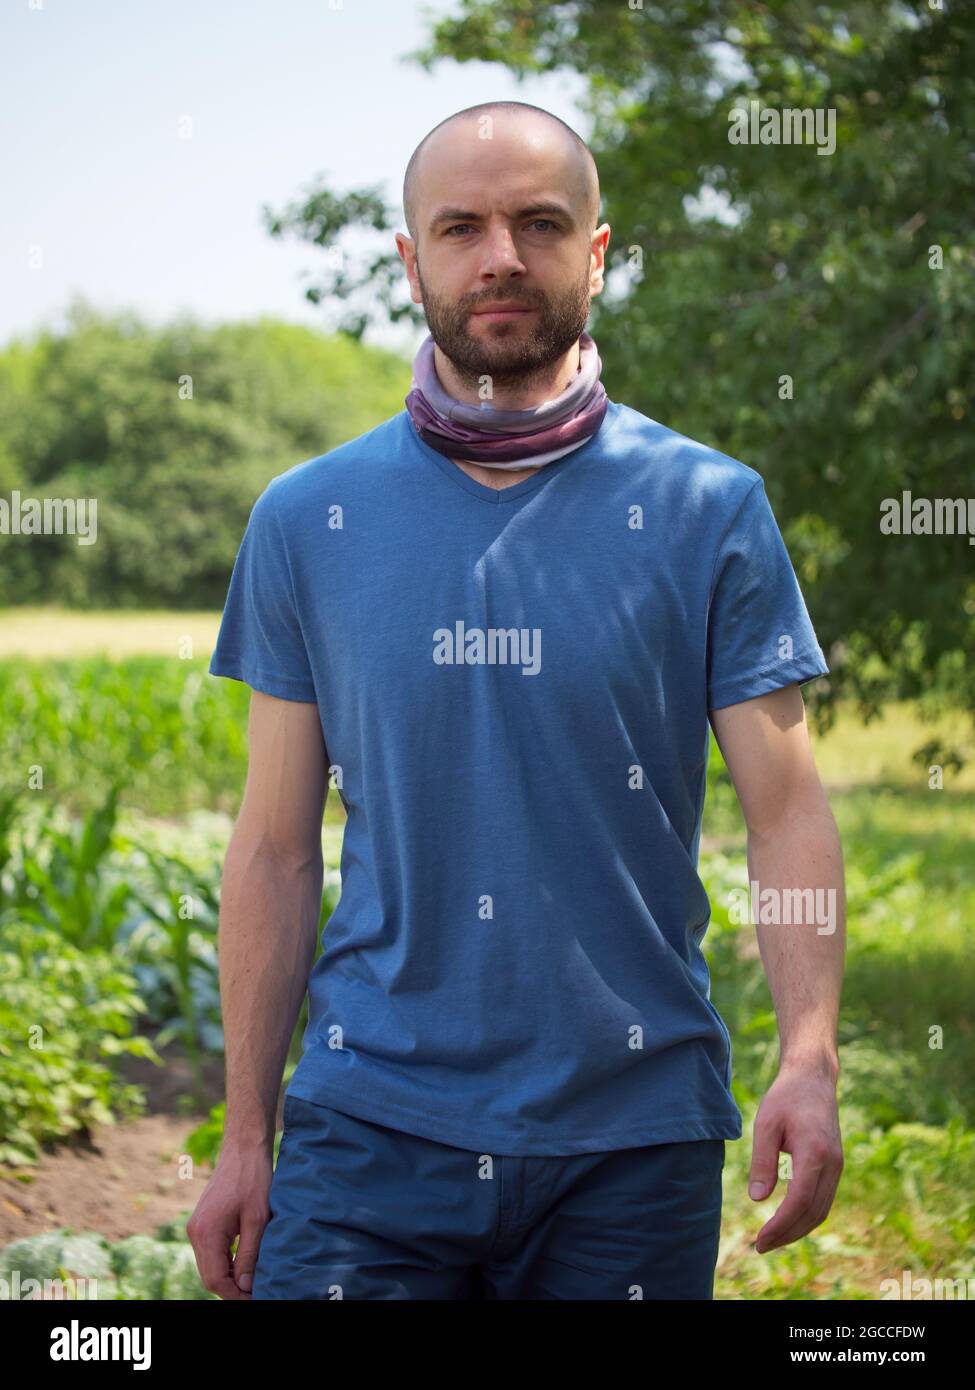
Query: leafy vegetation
100,927
137,1269
65,1014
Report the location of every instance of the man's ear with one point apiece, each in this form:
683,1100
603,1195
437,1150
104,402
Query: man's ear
597,285
406,249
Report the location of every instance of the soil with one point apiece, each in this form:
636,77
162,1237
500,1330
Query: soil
123,1181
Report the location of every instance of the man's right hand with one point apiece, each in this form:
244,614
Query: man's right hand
234,1202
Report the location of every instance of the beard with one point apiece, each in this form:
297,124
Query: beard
515,354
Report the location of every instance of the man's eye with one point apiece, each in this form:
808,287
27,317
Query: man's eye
466,226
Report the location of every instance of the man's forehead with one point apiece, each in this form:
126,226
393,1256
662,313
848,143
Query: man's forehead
471,185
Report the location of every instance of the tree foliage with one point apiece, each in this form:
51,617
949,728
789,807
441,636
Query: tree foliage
806,313
174,432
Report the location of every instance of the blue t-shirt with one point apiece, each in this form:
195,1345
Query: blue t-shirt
514,689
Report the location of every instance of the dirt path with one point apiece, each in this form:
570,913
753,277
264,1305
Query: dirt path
124,1182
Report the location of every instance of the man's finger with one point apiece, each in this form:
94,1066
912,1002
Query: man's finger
214,1263
763,1176
245,1260
815,1216
803,1187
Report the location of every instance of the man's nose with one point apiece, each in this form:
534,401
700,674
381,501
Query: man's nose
500,251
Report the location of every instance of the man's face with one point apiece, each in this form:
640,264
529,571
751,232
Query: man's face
525,242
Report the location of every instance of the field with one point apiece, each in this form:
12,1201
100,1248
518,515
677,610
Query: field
142,756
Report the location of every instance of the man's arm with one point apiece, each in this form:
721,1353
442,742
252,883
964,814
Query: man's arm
270,909
795,858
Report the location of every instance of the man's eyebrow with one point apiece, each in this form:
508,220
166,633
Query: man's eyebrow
448,214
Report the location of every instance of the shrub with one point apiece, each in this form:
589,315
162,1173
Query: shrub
64,1014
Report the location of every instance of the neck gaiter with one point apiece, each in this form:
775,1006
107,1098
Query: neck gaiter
507,438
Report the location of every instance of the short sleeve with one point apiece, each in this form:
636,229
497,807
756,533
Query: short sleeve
760,636
260,640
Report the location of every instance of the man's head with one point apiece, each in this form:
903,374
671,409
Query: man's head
501,201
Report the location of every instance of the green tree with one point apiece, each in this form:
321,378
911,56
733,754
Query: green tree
805,313
104,411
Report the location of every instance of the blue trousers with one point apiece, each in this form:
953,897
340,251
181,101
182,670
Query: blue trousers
362,1211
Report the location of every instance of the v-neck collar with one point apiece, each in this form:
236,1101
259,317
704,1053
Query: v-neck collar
500,496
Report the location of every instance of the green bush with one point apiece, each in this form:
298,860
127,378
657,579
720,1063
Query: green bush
138,1268
64,1015
98,889
173,432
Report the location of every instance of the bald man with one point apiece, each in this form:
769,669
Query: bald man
501,625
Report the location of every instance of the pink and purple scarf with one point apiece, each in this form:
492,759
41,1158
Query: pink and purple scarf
507,438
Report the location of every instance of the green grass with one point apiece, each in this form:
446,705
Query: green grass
907,1085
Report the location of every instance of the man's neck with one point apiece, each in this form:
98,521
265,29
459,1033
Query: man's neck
497,478
540,391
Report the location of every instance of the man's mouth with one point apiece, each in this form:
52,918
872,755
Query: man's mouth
499,312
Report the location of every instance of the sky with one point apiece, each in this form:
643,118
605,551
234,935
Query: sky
102,196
